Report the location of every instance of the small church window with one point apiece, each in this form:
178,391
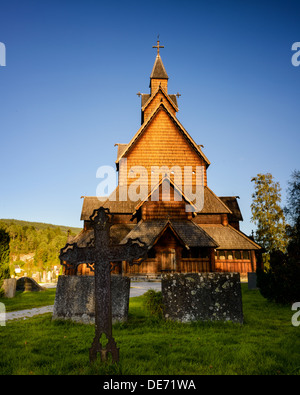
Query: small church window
229,255
222,254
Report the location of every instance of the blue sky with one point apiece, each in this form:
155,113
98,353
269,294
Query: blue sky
73,68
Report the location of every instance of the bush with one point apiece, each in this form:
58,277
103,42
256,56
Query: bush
153,302
280,283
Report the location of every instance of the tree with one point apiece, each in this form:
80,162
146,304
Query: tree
292,211
4,255
280,282
292,208
267,214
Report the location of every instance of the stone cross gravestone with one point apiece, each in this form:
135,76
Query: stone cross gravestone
99,257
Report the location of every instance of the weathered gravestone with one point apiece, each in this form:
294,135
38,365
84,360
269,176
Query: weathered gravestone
98,258
252,281
202,297
75,299
9,286
28,284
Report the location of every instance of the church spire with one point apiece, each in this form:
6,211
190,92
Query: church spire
159,75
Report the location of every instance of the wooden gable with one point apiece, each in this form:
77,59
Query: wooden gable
165,200
162,141
160,96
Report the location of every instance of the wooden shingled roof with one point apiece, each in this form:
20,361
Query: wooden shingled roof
159,71
229,238
232,203
91,203
117,233
191,235
212,204
187,231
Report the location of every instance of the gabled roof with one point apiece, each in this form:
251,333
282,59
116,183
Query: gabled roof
190,234
117,233
159,71
174,186
91,203
213,204
229,238
161,89
232,204
146,97
162,107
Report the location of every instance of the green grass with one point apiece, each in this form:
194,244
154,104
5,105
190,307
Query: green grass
267,344
29,300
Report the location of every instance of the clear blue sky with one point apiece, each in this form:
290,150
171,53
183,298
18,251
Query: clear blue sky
73,68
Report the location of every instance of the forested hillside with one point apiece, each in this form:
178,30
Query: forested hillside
35,246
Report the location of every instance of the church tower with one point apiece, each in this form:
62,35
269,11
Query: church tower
159,76
158,89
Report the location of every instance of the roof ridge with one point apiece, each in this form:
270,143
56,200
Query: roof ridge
166,95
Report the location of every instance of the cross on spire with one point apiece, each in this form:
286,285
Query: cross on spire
158,46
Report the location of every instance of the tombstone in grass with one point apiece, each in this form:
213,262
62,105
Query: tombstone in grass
28,284
79,305
202,297
252,281
9,286
99,258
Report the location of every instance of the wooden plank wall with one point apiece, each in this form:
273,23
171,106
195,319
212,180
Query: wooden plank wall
155,103
161,144
239,266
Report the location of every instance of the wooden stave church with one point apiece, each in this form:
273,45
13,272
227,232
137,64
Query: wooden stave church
179,241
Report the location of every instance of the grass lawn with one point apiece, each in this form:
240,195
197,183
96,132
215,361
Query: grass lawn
267,344
29,300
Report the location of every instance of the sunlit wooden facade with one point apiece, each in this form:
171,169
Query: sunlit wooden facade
178,240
